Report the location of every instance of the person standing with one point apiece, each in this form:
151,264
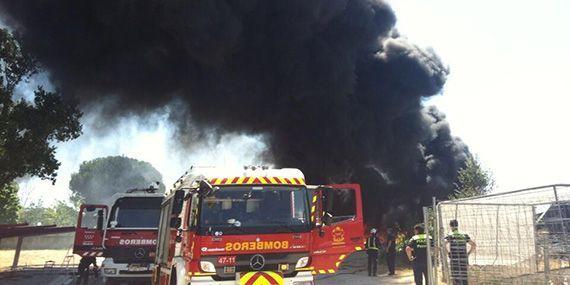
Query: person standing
372,249
416,250
456,245
391,251
83,268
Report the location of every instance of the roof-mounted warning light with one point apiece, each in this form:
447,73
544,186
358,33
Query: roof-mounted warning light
150,189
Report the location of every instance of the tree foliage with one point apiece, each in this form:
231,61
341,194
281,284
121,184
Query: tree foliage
61,214
9,203
28,130
99,179
473,180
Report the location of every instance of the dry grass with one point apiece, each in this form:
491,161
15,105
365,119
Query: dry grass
34,257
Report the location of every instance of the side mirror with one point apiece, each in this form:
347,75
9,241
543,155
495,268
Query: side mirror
113,224
175,222
178,202
205,188
100,220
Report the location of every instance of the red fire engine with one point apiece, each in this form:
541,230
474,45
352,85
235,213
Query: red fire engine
123,232
255,226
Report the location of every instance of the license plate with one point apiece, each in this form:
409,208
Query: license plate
227,260
137,267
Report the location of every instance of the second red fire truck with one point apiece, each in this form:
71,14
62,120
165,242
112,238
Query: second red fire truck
124,232
255,226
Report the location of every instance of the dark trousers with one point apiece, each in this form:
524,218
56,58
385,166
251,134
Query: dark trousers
420,269
391,260
372,262
459,271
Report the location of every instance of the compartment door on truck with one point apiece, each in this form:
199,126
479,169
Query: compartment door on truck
339,231
89,230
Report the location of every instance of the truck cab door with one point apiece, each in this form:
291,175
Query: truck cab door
339,228
89,230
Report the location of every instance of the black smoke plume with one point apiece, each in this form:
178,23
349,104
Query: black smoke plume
330,82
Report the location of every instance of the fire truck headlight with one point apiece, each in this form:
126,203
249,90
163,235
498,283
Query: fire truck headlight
110,271
302,262
207,266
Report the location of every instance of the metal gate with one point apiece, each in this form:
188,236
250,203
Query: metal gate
521,238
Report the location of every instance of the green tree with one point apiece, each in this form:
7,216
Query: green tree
473,180
9,203
60,214
98,179
28,130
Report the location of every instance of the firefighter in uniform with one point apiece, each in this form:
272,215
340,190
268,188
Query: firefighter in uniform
456,245
416,250
372,250
83,268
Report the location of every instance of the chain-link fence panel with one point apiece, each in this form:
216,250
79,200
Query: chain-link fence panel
518,237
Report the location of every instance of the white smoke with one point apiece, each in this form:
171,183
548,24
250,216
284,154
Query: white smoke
150,139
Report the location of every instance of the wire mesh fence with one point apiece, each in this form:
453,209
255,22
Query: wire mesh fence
518,237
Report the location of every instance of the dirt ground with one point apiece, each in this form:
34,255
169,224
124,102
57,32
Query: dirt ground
353,271
34,257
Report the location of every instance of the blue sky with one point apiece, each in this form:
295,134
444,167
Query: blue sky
507,95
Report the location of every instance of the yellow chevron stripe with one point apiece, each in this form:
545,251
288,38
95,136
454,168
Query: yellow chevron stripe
263,181
215,181
358,248
331,270
282,181
272,180
322,271
315,199
337,263
249,180
342,257
313,208
302,180
240,180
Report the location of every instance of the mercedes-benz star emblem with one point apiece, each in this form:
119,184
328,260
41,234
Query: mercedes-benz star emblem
139,253
257,262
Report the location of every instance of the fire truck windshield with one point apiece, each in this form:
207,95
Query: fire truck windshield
136,212
255,209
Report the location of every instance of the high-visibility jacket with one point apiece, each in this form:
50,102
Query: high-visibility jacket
419,244
458,244
372,243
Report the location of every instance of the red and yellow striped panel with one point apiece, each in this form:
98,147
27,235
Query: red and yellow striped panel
261,278
257,180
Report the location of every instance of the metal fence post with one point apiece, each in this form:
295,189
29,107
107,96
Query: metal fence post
442,249
428,248
436,239
535,235
546,265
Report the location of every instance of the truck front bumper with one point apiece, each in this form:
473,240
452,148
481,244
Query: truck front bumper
302,278
111,269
